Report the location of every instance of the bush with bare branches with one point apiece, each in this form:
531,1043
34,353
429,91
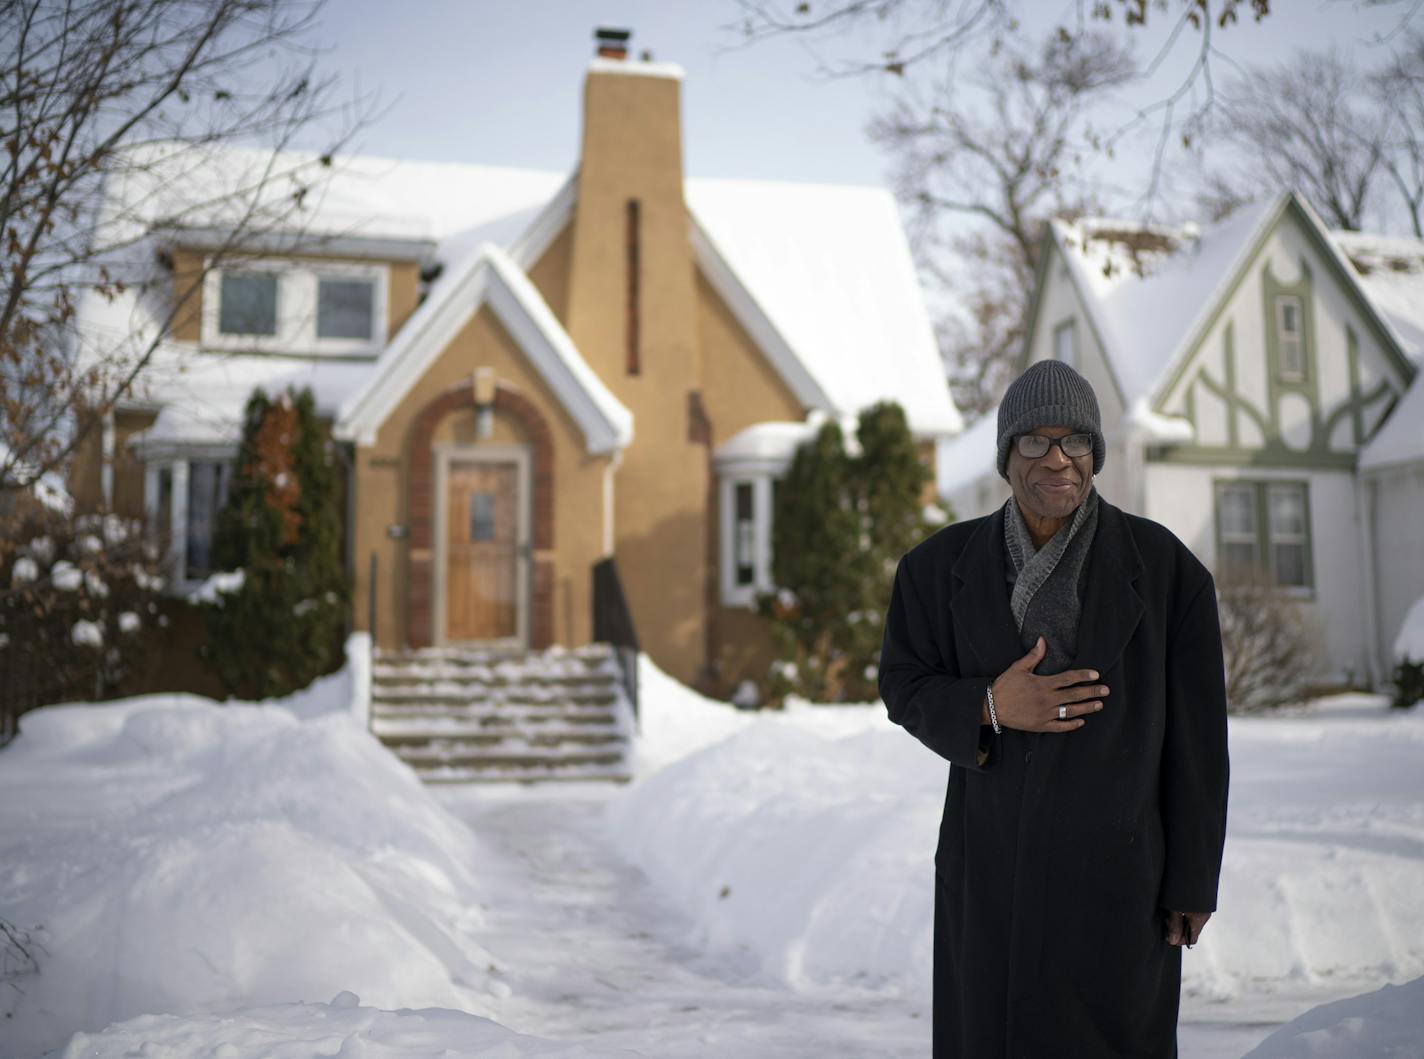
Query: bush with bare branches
1267,643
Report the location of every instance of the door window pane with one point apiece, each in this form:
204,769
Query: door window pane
744,541
247,303
481,516
344,308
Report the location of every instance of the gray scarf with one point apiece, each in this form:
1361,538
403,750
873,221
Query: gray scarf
1046,584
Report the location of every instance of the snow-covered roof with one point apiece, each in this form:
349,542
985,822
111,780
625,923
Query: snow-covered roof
830,267
1149,291
1401,439
1146,290
971,456
772,441
1391,270
822,273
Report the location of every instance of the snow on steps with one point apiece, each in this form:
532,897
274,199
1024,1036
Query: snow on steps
460,714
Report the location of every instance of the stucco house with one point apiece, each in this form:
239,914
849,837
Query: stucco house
1261,396
531,374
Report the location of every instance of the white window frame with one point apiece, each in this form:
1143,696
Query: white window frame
175,559
1070,328
297,287
733,594
1297,338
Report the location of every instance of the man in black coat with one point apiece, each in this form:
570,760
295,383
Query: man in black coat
1065,658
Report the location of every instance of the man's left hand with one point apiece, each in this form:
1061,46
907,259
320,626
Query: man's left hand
1184,928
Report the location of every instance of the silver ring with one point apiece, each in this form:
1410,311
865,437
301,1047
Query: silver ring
1063,713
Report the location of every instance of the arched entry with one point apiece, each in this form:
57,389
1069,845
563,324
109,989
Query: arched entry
479,518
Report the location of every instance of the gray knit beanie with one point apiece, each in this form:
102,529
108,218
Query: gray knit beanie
1049,394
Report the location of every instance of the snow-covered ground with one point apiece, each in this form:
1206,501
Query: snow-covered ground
212,881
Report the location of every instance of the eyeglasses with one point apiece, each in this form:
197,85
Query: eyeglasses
1036,446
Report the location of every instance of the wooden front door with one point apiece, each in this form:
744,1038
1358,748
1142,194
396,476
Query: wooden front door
482,550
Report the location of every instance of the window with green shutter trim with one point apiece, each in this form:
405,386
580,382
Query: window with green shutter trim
1265,525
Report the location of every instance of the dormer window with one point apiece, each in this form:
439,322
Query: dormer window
296,307
248,303
1290,340
345,308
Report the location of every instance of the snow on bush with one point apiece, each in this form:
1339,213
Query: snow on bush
87,633
341,1028
1409,643
1387,1022
807,838
166,854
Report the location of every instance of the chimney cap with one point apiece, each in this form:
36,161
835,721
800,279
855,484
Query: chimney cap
605,34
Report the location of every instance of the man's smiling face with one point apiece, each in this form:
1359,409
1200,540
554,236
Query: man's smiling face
1052,486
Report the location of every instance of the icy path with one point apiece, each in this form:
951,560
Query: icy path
590,950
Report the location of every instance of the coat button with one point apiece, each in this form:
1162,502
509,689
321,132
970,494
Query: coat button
1028,757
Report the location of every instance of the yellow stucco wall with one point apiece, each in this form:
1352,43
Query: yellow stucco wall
550,274
739,388
383,470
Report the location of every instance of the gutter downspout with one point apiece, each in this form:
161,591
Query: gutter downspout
1365,492
608,524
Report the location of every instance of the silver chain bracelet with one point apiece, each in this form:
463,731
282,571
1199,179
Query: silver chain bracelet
993,717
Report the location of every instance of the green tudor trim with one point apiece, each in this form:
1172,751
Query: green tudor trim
1243,269
1345,275
1227,456
1274,453
1265,560
1357,404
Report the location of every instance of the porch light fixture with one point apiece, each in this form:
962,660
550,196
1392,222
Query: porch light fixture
483,387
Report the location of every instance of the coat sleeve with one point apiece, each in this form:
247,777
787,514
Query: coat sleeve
1195,767
923,692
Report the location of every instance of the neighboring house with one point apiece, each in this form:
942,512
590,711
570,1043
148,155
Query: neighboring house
1259,393
532,372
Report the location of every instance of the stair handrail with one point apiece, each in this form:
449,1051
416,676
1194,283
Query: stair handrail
613,625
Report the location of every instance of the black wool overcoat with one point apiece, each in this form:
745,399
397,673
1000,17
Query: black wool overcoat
1058,852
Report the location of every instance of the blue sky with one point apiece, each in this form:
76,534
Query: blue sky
498,81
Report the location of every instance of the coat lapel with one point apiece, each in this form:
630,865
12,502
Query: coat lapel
980,602
1111,606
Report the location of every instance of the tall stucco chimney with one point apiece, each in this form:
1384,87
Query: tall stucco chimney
632,312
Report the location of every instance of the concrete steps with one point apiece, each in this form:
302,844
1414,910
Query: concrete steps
471,715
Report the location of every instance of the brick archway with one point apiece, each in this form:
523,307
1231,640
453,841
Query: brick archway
420,599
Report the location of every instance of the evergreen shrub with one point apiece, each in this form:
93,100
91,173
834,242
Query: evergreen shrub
841,521
1408,682
281,623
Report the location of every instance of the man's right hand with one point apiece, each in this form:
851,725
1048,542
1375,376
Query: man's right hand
1029,702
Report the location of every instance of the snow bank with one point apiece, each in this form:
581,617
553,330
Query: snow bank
341,1028
1387,1022
802,835
807,839
166,854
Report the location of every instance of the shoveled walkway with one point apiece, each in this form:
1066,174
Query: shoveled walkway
592,951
